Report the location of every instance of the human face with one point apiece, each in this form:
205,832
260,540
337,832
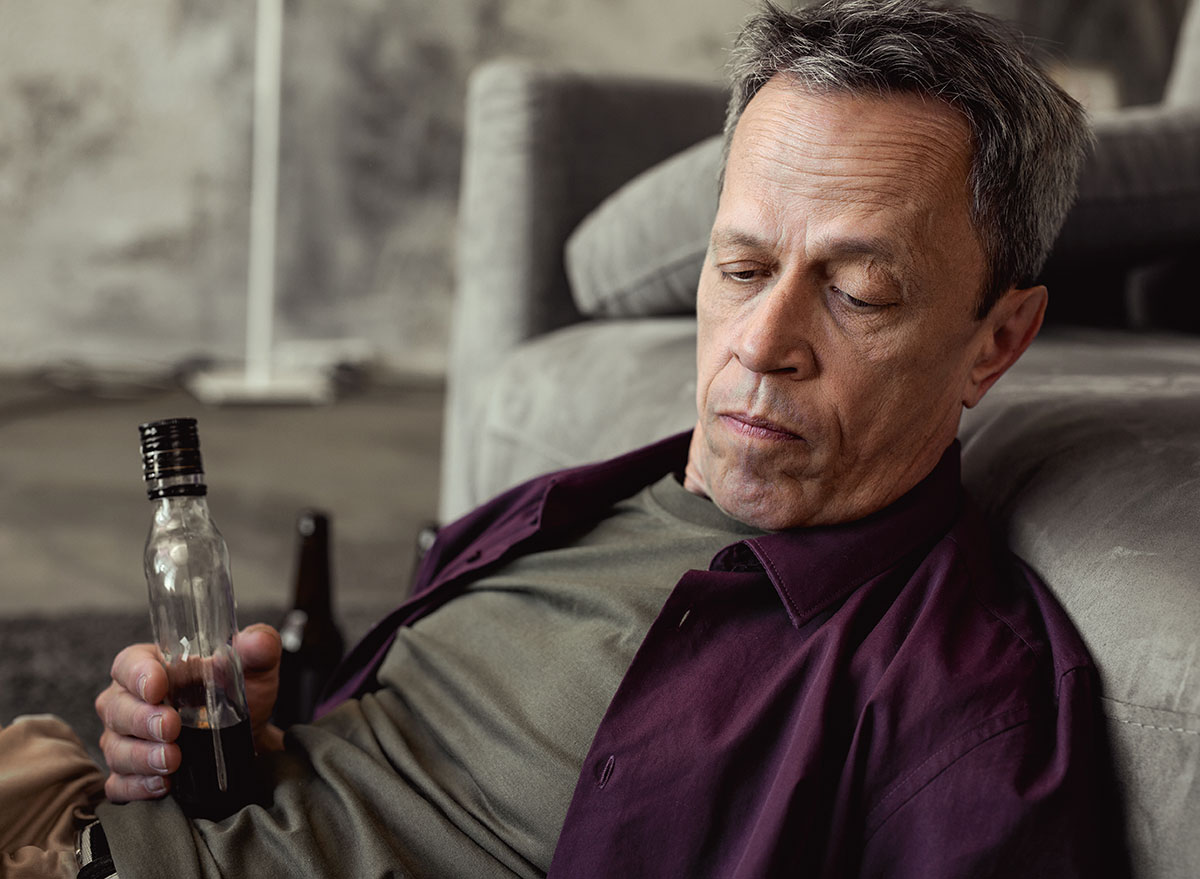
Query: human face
837,332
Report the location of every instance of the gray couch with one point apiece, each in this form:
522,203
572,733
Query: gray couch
584,215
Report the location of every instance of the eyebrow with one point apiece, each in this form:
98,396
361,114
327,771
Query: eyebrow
869,245
734,238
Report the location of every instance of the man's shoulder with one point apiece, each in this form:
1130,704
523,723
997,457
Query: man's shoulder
979,640
989,675
1008,593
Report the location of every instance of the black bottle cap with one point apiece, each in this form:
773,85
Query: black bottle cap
170,447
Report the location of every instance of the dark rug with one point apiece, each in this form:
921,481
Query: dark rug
58,664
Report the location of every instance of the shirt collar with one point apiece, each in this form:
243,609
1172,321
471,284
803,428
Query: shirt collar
813,568
810,568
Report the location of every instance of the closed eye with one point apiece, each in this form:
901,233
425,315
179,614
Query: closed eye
741,276
855,302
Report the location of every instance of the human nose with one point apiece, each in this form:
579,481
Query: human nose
773,337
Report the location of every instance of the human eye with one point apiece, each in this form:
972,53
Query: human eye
741,273
854,301
856,304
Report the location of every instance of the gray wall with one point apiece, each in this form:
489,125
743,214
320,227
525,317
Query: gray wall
125,131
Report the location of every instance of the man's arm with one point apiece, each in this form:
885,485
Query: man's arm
1037,798
140,729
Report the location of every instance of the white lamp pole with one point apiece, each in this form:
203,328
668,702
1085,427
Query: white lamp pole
258,381
264,193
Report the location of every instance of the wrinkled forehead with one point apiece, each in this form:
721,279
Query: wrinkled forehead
891,147
821,174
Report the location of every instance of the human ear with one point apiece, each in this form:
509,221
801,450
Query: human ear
1005,334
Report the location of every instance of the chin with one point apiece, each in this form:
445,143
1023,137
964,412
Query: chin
758,507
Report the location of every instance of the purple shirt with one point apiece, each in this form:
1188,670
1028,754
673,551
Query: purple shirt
889,697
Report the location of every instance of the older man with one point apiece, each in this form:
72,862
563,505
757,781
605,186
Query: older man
782,644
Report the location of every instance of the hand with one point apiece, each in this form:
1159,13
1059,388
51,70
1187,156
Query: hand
140,731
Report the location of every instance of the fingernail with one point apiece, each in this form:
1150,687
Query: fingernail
155,785
141,685
156,727
158,759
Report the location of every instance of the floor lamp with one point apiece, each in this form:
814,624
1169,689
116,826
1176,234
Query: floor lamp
260,380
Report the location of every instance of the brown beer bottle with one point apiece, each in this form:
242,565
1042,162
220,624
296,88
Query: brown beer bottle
312,642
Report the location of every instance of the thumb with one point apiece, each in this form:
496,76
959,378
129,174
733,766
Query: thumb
259,648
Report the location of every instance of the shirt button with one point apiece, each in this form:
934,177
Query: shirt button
604,771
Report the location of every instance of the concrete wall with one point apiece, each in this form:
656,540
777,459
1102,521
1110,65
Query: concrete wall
125,132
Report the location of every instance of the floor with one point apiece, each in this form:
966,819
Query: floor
73,512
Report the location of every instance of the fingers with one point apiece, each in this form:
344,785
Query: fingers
126,788
138,670
138,730
130,706
125,714
137,745
129,756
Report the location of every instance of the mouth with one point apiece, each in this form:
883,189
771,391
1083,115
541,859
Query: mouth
753,427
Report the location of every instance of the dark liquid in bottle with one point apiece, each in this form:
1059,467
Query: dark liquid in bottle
195,785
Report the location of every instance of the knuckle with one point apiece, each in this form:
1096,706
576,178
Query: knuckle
117,788
119,664
117,753
126,788
132,664
110,713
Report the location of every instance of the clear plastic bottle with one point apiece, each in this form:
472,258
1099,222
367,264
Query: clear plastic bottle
193,614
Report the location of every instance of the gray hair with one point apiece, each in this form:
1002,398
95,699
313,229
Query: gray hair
1029,138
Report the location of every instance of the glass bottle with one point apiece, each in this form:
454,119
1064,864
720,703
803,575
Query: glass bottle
193,614
312,642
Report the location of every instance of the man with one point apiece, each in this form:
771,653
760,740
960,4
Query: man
781,646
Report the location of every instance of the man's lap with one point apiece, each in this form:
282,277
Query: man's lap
49,787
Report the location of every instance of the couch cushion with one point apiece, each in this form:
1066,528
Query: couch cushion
1087,455
640,251
565,398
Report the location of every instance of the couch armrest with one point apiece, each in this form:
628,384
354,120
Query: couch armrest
542,148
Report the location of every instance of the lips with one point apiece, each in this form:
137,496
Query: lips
757,428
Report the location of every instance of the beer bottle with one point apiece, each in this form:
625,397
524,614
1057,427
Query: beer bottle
312,642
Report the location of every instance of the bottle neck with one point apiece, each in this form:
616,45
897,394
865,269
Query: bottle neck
313,577
177,485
